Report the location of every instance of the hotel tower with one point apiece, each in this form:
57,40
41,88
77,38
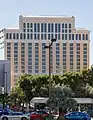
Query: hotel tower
24,46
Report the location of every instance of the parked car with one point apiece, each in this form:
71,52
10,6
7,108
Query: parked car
11,115
77,116
7,111
39,115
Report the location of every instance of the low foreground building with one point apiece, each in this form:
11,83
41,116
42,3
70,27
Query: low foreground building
5,76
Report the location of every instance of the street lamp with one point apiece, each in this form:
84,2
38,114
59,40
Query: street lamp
49,47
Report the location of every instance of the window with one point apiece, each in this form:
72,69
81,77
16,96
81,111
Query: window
64,44
38,36
79,36
38,27
45,27
24,36
71,44
41,36
48,27
15,44
27,30
48,36
64,52
8,55
34,27
24,25
27,25
62,36
31,25
31,30
6,35
56,36
52,36
10,36
66,31
69,31
84,52
65,36
29,67
8,43
31,35
85,56
28,36
43,71
36,44
71,52
63,31
36,71
44,36
69,36
76,36
65,25
17,36
85,44
52,27
35,36
71,48
59,28
78,55
86,36
56,27
72,36
21,36
83,37
41,27
24,30
78,44
70,25
29,71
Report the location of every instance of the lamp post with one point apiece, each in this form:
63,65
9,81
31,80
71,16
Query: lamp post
49,47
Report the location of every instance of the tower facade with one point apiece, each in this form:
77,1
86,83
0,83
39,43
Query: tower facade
24,46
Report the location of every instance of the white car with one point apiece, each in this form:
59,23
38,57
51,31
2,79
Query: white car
15,117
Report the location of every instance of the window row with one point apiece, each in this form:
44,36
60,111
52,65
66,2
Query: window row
46,36
46,27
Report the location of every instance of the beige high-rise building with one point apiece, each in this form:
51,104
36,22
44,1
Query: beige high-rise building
24,46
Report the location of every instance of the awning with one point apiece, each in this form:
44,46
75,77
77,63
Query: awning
39,100
84,100
78,100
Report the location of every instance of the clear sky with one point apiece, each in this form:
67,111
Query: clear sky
81,9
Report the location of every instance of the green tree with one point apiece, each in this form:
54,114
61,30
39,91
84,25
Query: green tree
62,99
25,84
16,96
41,86
34,86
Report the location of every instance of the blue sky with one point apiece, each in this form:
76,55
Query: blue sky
81,9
